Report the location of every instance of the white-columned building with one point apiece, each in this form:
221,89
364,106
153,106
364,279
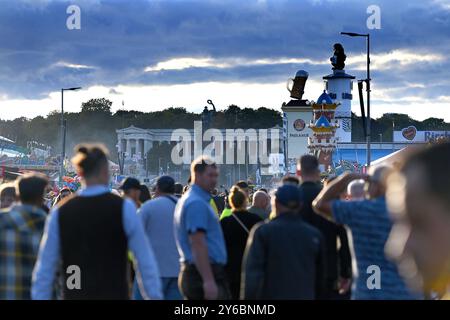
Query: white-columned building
133,144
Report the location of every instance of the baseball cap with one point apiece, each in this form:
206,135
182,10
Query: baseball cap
242,184
166,184
130,183
289,196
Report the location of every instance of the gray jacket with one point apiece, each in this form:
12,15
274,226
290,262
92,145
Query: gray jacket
284,259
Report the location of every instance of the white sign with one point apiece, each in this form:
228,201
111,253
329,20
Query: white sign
297,132
276,161
411,134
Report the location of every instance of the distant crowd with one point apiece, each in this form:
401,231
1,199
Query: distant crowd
383,235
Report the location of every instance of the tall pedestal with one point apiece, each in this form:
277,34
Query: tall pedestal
339,86
297,114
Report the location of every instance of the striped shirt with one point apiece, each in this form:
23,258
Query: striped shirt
370,224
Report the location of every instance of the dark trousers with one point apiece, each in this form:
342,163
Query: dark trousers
191,284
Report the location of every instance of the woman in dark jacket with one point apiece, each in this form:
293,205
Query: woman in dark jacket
236,229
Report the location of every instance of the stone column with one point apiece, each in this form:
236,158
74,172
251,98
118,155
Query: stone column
147,145
128,149
141,148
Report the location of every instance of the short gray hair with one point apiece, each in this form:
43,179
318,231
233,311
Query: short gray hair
356,188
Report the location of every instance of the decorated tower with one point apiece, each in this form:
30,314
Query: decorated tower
323,140
339,86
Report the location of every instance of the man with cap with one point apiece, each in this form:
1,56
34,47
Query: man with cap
131,188
284,258
157,218
370,223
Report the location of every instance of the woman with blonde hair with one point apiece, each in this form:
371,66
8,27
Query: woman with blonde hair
236,229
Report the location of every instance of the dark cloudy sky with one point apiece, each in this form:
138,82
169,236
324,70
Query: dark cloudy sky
150,54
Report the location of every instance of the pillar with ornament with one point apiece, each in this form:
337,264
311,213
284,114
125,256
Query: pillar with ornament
296,115
339,86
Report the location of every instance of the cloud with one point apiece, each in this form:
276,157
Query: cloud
395,59
143,43
223,63
71,65
114,91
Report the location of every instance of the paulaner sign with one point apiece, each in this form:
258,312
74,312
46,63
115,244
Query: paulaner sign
411,134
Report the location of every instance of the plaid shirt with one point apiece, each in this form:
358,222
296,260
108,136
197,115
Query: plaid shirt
21,228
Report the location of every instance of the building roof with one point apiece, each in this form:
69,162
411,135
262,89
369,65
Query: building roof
324,98
338,74
6,139
322,122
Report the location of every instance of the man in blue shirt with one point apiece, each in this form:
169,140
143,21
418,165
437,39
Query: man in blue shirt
199,237
370,224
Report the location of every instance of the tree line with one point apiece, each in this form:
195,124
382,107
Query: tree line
96,123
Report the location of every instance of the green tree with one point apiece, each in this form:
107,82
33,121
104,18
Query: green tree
101,105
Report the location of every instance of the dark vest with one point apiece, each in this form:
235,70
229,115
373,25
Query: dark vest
92,237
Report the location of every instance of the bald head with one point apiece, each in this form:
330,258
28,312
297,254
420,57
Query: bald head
355,189
260,199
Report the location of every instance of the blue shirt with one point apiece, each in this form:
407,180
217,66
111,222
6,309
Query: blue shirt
370,224
157,219
49,252
194,213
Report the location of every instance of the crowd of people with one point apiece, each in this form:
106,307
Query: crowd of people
381,235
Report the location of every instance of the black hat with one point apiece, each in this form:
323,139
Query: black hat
242,184
130,183
289,196
166,184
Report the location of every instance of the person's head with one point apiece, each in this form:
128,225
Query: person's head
243,185
376,185
261,199
131,188
308,168
145,194
204,173
419,198
91,163
237,199
290,180
7,195
355,190
165,185
288,198
178,189
30,189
